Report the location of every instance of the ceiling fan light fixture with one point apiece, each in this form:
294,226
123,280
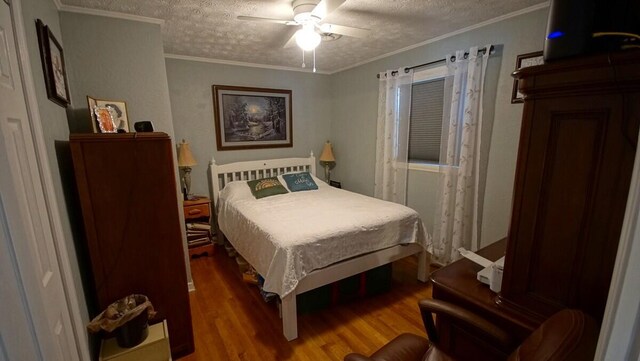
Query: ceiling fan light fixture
307,39
302,9
303,18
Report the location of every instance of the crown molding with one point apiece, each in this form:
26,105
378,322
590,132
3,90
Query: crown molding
105,13
240,63
448,35
112,14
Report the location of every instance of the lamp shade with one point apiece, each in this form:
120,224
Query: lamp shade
307,38
185,157
327,153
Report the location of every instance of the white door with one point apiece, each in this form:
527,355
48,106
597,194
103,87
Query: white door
35,323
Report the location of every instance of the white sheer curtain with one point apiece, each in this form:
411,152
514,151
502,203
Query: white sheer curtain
392,145
456,224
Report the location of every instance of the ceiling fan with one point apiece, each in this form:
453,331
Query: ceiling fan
308,15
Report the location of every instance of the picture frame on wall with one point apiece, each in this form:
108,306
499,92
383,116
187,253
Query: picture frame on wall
252,118
524,61
120,114
53,67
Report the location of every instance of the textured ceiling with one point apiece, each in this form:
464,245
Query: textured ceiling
209,28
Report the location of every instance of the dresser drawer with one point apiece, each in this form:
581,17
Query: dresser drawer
196,211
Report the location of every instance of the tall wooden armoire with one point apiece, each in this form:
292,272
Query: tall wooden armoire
577,147
575,159
128,195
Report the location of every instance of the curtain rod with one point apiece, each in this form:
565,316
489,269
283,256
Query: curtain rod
453,58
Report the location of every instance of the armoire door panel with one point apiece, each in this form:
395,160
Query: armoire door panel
550,130
575,141
576,154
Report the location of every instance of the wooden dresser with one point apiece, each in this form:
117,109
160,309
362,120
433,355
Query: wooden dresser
128,195
457,283
577,146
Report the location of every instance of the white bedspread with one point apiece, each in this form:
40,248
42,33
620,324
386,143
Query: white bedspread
287,236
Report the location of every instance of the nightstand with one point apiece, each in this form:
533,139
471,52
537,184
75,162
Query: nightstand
197,215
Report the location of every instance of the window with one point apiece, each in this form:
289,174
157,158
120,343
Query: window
427,106
426,121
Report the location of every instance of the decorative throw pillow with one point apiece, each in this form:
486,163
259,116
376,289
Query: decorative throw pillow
300,182
266,187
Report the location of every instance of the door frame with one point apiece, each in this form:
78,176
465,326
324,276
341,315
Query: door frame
618,338
52,211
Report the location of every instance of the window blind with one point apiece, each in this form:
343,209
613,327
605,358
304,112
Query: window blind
427,101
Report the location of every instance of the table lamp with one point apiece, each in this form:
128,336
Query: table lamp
185,162
327,160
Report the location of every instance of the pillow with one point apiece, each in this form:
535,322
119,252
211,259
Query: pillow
300,182
266,187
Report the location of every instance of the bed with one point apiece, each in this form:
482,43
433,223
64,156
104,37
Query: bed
330,233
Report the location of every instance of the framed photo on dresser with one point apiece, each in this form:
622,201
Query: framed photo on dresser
118,108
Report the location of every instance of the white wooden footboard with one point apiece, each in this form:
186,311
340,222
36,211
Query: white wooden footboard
342,270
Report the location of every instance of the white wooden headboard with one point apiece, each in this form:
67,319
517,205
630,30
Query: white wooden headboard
221,174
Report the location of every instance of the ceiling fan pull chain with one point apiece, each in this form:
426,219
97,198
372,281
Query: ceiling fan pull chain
314,60
303,64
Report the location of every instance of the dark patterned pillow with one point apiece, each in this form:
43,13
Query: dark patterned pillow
266,187
300,182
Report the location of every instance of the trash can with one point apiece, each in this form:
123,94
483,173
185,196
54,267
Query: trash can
128,318
133,332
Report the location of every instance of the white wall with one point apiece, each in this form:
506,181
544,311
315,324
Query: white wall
109,58
190,85
354,104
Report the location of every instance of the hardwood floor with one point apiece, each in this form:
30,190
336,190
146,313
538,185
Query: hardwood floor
232,322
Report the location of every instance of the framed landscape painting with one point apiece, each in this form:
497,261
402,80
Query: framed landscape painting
252,118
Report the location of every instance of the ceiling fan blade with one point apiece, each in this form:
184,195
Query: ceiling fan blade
344,30
325,7
268,20
291,39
